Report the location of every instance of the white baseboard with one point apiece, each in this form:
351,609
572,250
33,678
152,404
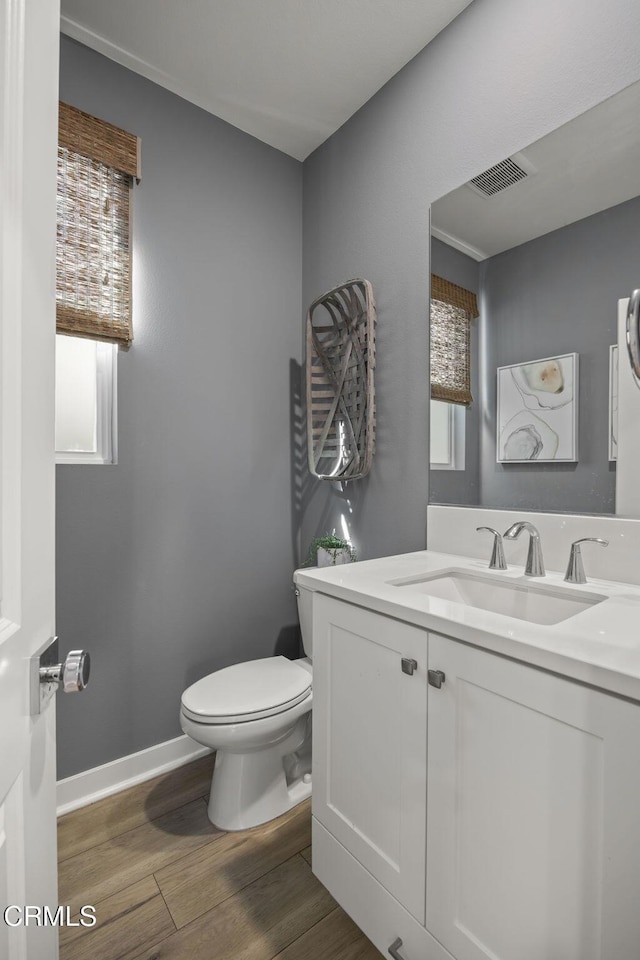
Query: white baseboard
99,782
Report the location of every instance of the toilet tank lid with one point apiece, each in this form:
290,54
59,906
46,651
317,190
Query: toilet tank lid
247,688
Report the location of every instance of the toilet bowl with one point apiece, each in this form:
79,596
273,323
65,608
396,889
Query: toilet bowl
257,717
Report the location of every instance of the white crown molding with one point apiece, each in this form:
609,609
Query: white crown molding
95,41
109,778
71,28
474,252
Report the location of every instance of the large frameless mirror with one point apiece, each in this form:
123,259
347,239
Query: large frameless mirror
532,263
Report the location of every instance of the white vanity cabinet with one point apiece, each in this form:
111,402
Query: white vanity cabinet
529,789
533,827
370,743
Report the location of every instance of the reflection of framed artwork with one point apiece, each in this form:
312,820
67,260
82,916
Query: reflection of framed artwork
537,415
613,402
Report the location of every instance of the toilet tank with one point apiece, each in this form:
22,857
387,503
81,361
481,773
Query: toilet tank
304,598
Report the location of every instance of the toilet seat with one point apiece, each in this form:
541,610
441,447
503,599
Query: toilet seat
247,691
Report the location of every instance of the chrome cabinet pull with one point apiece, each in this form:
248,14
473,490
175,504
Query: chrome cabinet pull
436,678
394,949
409,666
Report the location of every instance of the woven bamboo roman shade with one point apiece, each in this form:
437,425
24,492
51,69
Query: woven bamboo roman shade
452,309
96,166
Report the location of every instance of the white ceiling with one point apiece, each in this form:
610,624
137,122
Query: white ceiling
289,72
587,165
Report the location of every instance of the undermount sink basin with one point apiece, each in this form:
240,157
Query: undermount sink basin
534,603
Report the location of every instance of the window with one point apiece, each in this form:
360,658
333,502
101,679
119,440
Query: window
452,310
97,165
447,436
86,394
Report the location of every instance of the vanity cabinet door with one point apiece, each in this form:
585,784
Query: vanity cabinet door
369,743
533,828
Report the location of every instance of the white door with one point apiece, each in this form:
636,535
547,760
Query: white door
533,833
29,40
370,742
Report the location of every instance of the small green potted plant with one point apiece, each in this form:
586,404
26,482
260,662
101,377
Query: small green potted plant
329,550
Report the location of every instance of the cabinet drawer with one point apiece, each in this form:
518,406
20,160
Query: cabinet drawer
368,904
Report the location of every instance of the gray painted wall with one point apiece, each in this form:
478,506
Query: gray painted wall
502,75
461,486
559,294
178,560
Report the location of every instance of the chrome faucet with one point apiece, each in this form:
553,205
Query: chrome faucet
575,570
497,561
535,563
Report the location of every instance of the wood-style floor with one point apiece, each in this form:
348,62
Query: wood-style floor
168,886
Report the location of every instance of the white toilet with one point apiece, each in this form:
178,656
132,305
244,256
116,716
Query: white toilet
257,716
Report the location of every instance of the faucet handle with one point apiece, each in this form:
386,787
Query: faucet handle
497,561
575,569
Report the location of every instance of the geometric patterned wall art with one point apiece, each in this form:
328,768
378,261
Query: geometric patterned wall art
340,361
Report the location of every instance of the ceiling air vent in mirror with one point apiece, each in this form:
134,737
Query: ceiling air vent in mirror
504,174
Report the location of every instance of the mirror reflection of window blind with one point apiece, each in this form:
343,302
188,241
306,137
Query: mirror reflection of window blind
97,163
452,310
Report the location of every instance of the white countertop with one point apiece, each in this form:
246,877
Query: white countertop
599,646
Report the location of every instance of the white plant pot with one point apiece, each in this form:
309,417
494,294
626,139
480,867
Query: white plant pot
332,558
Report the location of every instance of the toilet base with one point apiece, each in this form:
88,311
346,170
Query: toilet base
248,789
